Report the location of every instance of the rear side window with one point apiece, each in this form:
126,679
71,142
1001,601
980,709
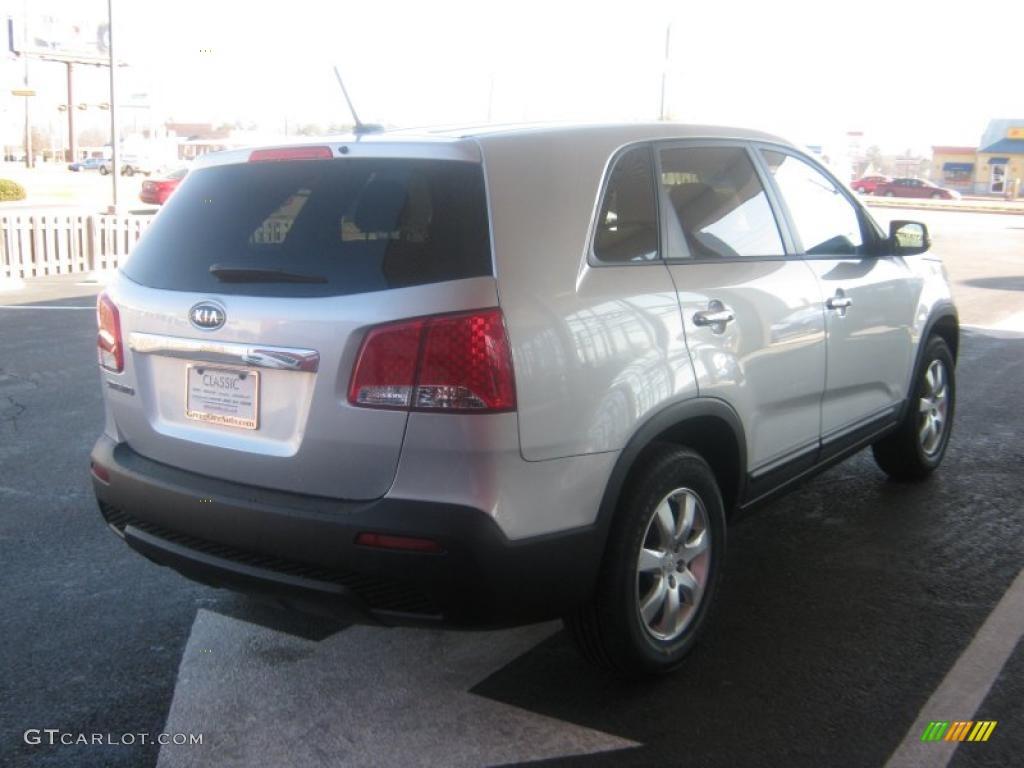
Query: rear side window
627,225
720,206
318,228
826,221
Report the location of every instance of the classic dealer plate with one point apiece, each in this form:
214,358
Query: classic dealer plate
228,396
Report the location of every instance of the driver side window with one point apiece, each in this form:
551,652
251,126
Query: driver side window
825,220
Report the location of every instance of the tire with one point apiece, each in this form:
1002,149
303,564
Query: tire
610,630
938,196
127,171
103,170
890,194
915,449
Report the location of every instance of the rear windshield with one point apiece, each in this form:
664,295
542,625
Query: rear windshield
318,228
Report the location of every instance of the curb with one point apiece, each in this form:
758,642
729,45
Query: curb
882,202
101,276
11,284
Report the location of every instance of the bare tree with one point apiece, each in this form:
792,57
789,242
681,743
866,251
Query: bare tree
40,139
91,137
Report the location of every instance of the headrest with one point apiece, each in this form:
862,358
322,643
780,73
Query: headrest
380,206
688,194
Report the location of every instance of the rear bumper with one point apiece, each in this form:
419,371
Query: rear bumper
300,550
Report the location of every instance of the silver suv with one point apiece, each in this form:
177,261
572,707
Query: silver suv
491,377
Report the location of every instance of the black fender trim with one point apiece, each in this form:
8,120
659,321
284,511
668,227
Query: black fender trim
941,311
671,416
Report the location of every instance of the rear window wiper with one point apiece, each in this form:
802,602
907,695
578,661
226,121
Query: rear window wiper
228,274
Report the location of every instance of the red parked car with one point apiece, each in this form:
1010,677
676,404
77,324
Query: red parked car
915,188
156,191
868,184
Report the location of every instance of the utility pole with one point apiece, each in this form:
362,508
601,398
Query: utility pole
490,99
115,160
664,72
72,142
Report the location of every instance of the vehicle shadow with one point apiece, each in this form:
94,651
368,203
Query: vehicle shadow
1014,283
843,606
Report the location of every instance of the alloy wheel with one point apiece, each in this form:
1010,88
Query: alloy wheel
673,564
933,408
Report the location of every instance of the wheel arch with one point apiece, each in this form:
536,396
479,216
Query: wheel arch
945,323
706,425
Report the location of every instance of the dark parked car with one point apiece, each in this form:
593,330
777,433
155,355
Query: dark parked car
89,164
915,188
868,184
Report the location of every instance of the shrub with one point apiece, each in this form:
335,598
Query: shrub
11,190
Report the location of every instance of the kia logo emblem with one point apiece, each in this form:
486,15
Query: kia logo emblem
207,315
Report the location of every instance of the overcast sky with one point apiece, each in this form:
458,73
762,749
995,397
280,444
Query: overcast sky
907,73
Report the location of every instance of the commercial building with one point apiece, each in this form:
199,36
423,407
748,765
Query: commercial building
995,167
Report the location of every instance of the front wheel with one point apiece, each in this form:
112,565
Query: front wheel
103,170
660,568
890,194
916,448
938,196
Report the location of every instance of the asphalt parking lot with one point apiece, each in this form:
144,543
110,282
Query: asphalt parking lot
847,606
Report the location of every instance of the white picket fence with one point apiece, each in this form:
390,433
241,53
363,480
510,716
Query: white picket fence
39,244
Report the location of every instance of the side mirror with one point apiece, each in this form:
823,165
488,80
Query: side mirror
907,238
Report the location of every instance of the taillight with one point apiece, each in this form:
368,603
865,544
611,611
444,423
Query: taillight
456,363
108,340
291,153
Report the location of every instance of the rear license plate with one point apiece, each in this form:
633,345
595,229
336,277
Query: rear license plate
227,396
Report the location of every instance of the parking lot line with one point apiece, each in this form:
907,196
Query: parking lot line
966,685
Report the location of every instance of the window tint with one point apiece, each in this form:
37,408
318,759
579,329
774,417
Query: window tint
721,210
825,220
361,224
627,226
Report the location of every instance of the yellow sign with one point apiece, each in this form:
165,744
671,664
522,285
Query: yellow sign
1015,133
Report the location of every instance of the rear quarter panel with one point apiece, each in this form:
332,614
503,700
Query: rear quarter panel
597,349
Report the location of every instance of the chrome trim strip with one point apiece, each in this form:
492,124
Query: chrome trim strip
252,355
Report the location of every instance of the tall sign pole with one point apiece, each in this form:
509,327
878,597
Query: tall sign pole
28,128
115,160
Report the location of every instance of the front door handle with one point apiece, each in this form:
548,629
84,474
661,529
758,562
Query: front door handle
715,317
839,302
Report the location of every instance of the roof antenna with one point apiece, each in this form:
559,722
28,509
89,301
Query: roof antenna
360,127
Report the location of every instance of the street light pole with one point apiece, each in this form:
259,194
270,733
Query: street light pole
115,163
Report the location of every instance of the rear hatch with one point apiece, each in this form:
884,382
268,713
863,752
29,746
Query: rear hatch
243,307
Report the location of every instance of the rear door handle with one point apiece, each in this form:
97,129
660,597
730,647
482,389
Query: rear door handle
716,316
839,302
